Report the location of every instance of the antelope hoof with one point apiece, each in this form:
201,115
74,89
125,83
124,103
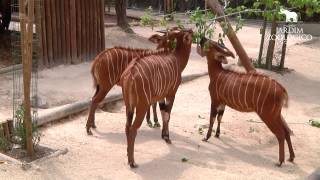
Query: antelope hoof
94,126
291,159
89,132
217,135
150,125
166,138
133,165
205,139
168,141
156,125
279,164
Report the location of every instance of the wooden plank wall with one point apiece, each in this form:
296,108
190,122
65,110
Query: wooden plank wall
72,31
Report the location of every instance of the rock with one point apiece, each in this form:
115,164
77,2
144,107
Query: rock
315,175
26,166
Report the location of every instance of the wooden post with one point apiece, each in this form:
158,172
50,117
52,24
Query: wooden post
73,23
40,51
48,24
102,26
44,42
26,50
55,42
78,27
10,126
206,5
67,31
6,131
216,8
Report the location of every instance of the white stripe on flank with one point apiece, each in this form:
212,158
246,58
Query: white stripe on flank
226,89
265,97
245,92
113,68
175,69
162,76
260,93
232,91
109,72
216,84
274,96
122,60
144,90
117,72
141,69
239,93
222,84
135,86
225,81
254,91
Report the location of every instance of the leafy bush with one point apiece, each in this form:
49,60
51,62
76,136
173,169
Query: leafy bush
20,135
4,143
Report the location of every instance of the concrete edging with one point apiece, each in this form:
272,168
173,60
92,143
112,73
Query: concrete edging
10,68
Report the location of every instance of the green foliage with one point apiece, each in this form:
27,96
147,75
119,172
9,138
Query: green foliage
20,131
314,123
240,23
146,19
204,22
310,6
164,23
4,143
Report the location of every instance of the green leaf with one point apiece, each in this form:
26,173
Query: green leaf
315,123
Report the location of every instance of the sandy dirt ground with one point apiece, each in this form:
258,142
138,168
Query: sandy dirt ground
245,150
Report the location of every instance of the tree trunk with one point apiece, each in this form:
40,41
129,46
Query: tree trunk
216,8
121,10
272,43
284,46
26,51
263,34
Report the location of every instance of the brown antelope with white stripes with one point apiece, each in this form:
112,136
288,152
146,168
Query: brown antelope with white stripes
150,79
107,68
250,92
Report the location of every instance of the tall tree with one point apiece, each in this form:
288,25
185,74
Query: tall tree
121,10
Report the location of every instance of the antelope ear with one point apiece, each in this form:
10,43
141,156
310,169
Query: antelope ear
156,38
224,50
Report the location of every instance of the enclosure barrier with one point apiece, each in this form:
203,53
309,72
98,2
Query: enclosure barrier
72,31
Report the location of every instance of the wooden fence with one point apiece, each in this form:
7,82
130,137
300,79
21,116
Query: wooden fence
72,31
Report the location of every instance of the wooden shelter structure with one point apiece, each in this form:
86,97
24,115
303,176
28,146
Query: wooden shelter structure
72,31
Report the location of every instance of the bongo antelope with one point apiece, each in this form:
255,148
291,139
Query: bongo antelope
107,68
250,92
150,79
